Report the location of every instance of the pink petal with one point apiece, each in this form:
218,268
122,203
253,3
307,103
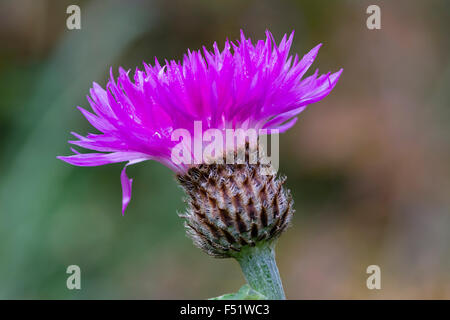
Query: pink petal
99,159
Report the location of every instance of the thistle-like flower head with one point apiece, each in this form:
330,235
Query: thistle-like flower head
246,85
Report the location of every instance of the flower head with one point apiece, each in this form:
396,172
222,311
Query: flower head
257,86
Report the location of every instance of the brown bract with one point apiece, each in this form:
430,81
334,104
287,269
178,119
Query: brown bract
231,206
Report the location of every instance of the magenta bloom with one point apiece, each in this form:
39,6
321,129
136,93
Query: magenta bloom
243,86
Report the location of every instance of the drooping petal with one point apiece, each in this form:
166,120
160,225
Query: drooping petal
126,188
127,184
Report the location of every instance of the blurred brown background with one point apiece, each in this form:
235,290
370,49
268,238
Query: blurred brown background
368,166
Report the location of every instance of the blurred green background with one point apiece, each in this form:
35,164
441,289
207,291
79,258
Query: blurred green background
368,166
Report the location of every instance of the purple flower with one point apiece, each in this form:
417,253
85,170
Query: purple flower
245,85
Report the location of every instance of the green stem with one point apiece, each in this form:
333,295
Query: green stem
260,270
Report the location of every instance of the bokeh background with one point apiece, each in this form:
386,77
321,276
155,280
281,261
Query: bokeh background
368,166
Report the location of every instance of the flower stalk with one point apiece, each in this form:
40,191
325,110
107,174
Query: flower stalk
261,271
